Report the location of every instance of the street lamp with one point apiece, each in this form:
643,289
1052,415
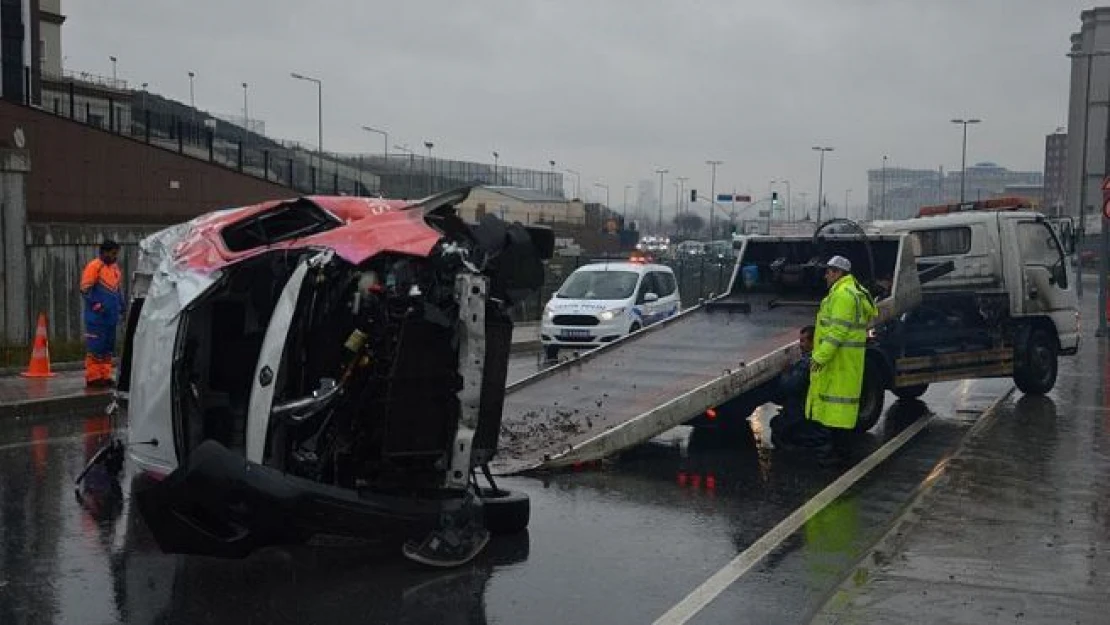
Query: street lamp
496,158
624,208
681,206
319,120
246,115
429,145
882,197
113,60
606,187
192,98
552,163
577,183
385,141
659,225
821,181
713,195
963,158
847,194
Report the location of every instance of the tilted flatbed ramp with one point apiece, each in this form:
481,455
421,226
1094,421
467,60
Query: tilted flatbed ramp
627,392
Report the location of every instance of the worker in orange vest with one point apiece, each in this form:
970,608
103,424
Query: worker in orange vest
103,295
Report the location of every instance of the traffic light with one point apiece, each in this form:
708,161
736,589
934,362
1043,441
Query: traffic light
774,198
693,195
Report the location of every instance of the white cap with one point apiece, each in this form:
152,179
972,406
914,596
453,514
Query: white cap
841,263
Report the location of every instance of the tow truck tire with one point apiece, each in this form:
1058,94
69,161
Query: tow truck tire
506,511
871,397
1035,374
911,392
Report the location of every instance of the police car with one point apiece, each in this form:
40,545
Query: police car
603,301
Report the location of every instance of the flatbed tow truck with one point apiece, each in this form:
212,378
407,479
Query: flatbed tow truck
976,290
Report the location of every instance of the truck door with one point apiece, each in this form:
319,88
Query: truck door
1046,285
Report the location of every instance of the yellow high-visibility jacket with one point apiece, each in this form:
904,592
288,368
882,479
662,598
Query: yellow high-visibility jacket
839,346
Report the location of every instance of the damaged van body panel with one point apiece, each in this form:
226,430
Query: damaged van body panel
298,358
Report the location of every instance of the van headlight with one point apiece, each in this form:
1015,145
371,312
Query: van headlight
611,314
549,312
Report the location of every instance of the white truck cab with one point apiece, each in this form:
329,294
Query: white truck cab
1003,301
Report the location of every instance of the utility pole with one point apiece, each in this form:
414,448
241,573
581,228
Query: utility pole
624,209
680,206
713,196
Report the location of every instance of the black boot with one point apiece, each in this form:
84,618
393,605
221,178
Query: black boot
462,534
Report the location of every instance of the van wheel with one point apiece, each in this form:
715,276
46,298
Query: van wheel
635,328
1035,374
551,353
911,392
871,397
506,511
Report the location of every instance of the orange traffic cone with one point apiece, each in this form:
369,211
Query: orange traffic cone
40,353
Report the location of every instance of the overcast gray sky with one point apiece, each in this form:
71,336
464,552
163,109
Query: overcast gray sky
616,88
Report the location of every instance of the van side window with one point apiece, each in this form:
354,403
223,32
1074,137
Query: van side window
647,285
665,282
943,241
1039,247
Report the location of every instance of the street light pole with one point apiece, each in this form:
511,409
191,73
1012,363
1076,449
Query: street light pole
429,145
577,183
821,181
113,60
246,114
606,187
659,224
624,207
552,163
496,158
963,157
713,196
192,99
319,120
681,206
385,141
847,194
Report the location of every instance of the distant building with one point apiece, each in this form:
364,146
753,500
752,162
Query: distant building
1055,172
907,190
527,206
1087,116
21,48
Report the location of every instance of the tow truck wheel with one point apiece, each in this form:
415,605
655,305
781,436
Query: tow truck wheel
871,397
911,392
1035,374
506,511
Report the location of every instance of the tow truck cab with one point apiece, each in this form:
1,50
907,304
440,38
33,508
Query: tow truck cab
1001,301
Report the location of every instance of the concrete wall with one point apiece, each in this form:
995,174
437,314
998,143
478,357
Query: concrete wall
87,175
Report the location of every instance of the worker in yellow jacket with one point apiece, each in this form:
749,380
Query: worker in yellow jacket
836,373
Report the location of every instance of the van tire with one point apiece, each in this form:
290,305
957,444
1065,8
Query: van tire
550,353
505,511
635,328
1035,373
911,392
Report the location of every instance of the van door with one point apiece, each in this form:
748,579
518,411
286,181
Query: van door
1046,286
644,309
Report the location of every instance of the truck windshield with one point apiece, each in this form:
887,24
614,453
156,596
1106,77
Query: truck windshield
599,285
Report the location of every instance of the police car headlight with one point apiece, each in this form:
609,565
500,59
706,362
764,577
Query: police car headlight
611,314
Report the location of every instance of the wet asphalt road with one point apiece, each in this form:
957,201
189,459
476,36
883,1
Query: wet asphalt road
620,544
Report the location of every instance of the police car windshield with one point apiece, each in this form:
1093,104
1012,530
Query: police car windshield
600,285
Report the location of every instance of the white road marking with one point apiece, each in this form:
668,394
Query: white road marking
704,594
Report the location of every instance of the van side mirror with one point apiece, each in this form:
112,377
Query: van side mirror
651,297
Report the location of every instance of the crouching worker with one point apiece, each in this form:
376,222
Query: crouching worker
789,428
100,288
